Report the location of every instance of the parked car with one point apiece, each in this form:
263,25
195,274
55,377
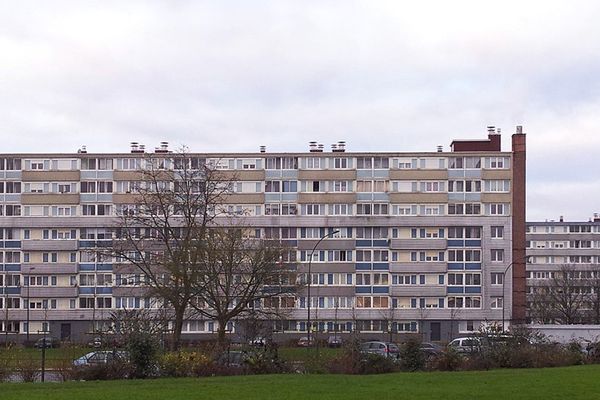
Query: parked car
430,349
232,358
465,345
384,349
334,341
304,342
47,342
101,357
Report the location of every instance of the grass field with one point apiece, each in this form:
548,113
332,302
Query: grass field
555,383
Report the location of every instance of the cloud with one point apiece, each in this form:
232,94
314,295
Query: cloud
235,75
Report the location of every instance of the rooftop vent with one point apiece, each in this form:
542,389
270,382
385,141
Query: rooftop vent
334,147
491,129
263,149
596,217
561,219
137,148
519,129
312,146
164,148
82,149
320,147
440,149
340,148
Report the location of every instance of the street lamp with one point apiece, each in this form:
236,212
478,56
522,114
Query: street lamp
526,259
309,281
28,285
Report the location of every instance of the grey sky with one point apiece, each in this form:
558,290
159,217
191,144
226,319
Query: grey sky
381,75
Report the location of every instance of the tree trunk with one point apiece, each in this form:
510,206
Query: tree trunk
221,339
179,314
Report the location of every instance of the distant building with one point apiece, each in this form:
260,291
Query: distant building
562,247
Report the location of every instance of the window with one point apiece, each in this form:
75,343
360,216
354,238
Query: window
497,232
498,209
497,278
340,163
497,186
464,209
496,302
372,209
282,163
497,255
313,162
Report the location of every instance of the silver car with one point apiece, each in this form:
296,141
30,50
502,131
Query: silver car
384,349
101,357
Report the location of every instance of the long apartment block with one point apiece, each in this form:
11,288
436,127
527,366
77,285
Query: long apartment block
555,247
429,242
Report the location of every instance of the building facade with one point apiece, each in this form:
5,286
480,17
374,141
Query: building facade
563,271
428,242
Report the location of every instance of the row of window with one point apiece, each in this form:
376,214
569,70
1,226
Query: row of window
369,232
309,162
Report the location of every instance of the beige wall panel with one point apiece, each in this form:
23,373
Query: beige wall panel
49,176
243,175
47,199
496,197
127,176
496,174
243,198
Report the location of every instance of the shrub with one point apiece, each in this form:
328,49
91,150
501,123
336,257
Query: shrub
185,363
143,351
376,364
4,369
27,369
411,356
448,360
101,372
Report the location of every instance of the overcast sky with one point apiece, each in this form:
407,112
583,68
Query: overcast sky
234,75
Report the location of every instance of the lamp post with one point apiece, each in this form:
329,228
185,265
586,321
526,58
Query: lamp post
503,285
28,285
309,281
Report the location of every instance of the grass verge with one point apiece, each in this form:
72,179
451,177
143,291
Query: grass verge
550,383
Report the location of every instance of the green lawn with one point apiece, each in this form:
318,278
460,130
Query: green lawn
54,357
555,383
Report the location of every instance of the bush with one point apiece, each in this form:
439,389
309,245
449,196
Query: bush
265,361
4,369
101,372
411,356
143,349
185,363
376,364
27,369
449,360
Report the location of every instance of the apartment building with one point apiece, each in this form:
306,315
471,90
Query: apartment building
558,247
424,239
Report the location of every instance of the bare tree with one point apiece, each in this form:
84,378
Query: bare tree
241,276
162,231
560,299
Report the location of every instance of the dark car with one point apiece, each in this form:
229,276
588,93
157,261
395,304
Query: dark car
334,341
233,358
430,349
304,342
47,342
